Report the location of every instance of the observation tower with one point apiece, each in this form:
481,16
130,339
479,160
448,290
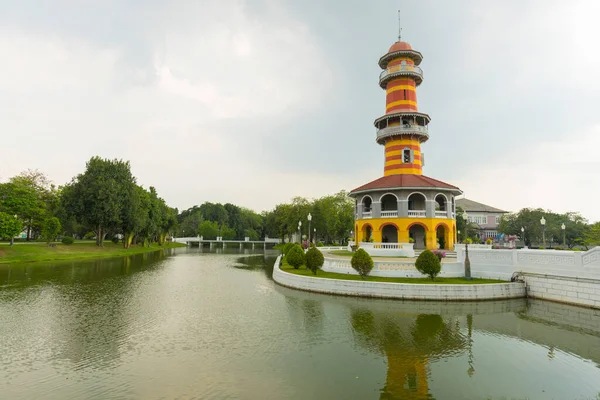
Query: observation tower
404,208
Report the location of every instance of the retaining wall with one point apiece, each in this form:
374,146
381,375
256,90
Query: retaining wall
564,276
399,290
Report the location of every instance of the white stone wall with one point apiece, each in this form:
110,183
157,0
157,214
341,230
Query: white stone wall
399,290
564,290
565,276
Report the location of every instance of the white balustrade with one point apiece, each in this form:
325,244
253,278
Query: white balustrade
401,69
367,215
402,129
388,214
416,213
441,214
388,249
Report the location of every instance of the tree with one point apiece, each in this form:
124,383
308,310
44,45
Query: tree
295,256
314,259
362,262
9,226
592,235
428,264
529,219
51,229
95,197
209,230
19,197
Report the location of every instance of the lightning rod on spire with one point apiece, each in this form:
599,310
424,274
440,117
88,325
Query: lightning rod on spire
399,27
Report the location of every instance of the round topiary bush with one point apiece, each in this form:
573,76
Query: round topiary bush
115,240
295,256
314,259
287,247
362,262
428,264
67,240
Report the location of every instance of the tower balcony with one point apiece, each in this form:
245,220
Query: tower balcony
395,71
397,130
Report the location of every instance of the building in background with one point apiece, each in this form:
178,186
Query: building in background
485,217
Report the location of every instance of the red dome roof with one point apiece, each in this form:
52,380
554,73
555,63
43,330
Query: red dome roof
399,46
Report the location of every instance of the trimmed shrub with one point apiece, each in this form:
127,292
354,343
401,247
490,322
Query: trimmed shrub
362,263
320,244
295,256
287,247
67,240
115,240
428,264
314,259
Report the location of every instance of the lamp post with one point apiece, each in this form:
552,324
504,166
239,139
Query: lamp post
543,222
563,227
467,261
523,237
458,234
309,219
315,236
299,234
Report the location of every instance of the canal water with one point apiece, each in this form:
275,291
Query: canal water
213,325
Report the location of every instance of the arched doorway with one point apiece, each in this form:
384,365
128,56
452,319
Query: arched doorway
417,233
416,205
441,206
389,234
366,205
389,206
442,233
367,233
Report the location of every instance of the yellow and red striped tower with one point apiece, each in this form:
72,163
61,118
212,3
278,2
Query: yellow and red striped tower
403,210
403,128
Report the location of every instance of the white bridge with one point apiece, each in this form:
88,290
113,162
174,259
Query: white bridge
225,243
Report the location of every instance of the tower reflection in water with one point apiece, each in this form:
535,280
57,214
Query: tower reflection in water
410,343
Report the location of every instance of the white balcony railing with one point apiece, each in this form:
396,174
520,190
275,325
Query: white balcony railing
441,214
367,214
416,213
388,214
402,69
402,130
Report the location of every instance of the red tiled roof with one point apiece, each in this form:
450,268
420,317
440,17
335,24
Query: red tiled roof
404,180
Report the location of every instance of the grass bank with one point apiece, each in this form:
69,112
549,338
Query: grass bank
31,252
438,281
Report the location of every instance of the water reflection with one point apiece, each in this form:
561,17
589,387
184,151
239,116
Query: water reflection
409,343
214,326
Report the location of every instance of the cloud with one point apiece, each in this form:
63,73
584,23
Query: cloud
255,102
560,175
69,99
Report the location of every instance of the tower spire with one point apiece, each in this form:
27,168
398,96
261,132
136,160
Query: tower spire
399,27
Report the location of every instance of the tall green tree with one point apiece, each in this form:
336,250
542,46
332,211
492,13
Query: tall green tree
51,229
10,226
95,197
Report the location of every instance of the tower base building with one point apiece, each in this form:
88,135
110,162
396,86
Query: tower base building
403,210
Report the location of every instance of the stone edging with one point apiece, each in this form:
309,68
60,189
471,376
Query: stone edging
413,291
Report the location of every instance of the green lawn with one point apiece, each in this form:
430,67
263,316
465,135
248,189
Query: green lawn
28,252
350,254
332,275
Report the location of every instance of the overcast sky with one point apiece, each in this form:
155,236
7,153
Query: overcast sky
254,102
